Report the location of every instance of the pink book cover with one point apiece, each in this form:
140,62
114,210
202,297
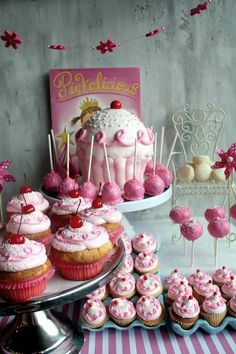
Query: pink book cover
75,91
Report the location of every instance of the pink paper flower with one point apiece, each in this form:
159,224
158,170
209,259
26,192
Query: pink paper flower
228,160
4,175
11,39
197,10
107,46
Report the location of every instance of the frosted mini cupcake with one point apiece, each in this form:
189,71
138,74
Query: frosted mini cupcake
228,290
221,276
94,313
144,242
128,243
122,285
100,293
174,278
146,263
185,311
149,284
176,291
198,277
122,311
127,266
232,307
149,311
214,309
202,291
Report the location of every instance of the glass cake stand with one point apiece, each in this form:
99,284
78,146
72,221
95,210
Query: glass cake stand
38,328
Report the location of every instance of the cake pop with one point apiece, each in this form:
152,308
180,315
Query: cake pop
111,193
180,214
215,212
233,211
192,230
52,180
218,228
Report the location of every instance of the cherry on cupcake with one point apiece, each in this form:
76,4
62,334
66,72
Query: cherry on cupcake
27,209
16,239
74,193
25,189
97,203
116,104
76,222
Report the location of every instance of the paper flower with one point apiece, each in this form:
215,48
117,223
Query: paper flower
107,46
155,31
228,160
57,46
11,39
4,175
197,10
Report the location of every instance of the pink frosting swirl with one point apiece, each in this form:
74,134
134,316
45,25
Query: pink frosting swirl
229,288
123,139
206,289
186,307
94,311
214,304
145,262
122,308
128,243
179,290
123,284
148,308
34,198
128,265
222,275
98,293
144,242
99,216
232,303
174,278
29,223
146,138
148,284
198,277
68,205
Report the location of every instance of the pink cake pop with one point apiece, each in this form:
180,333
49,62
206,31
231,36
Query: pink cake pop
191,230
215,212
165,174
233,211
52,180
153,185
67,185
218,228
180,214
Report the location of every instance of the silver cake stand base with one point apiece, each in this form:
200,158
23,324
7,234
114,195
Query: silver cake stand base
38,329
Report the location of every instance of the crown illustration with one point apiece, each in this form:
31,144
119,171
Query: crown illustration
88,103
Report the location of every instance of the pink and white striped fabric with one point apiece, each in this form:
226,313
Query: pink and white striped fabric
142,341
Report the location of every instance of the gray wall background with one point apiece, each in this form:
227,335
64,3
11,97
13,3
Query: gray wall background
192,62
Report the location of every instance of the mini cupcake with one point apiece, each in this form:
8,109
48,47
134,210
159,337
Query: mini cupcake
146,263
221,276
174,278
122,285
228,289
27,196
100,293
198,277
24,268
149,285
63,209
202,291
78,250
94,313
214,309
34,225
127,266
185,311
128,243
232,306
122,311
106,216
149,311
144,242
176,291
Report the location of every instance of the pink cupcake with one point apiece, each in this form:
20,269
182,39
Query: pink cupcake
149,311
185,311
144,242
94,313
232,306
228,289
122,311
146,263
174,278
128,243
202,291
128,265
221,276
122,285
198,277
24,268
214,309
78,250
149,284
176,291
100,293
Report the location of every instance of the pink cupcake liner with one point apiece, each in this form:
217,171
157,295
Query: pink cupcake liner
23,290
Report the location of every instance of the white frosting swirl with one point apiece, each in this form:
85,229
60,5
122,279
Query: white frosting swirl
29,223
68,205
34,198
99,216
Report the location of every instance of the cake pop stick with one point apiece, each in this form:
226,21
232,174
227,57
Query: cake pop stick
218,228
67,155
180,214
192,254
155,153
90,157
162,142
135,158
54,145
50,152
192,230
107,163
172,149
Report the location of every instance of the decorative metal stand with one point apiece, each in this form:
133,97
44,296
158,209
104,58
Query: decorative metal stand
38,330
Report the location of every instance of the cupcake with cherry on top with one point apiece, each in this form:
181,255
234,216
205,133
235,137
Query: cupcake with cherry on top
94,313
100,293
185,311
144,242
122,285
149,311
146,263
149,285
221,276
228,289
232,306
122,311
174,278
198,277
127,266
214,309
177,291
202,291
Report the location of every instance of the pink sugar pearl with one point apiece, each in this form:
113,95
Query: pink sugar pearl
153,185
180,214
218,228
191,229
215,212
133,190
88,190
111,193
233,211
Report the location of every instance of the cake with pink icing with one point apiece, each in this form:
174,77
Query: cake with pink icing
24,268
185,311
198,277
128,265
106,216
176,291
232,306
218,227
35,226
122,311
144,242
34,198
127,242
174,278
214,309
149,311
52,182
146,263
191,229
133,190
180,214
228,289
63,209
79,249
221,276
149,284
122,285
153,185
111,193
67,185
88,190
100,293
215,212
94,313
202,291
118,129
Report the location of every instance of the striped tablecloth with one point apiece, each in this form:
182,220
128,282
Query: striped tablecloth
141,341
